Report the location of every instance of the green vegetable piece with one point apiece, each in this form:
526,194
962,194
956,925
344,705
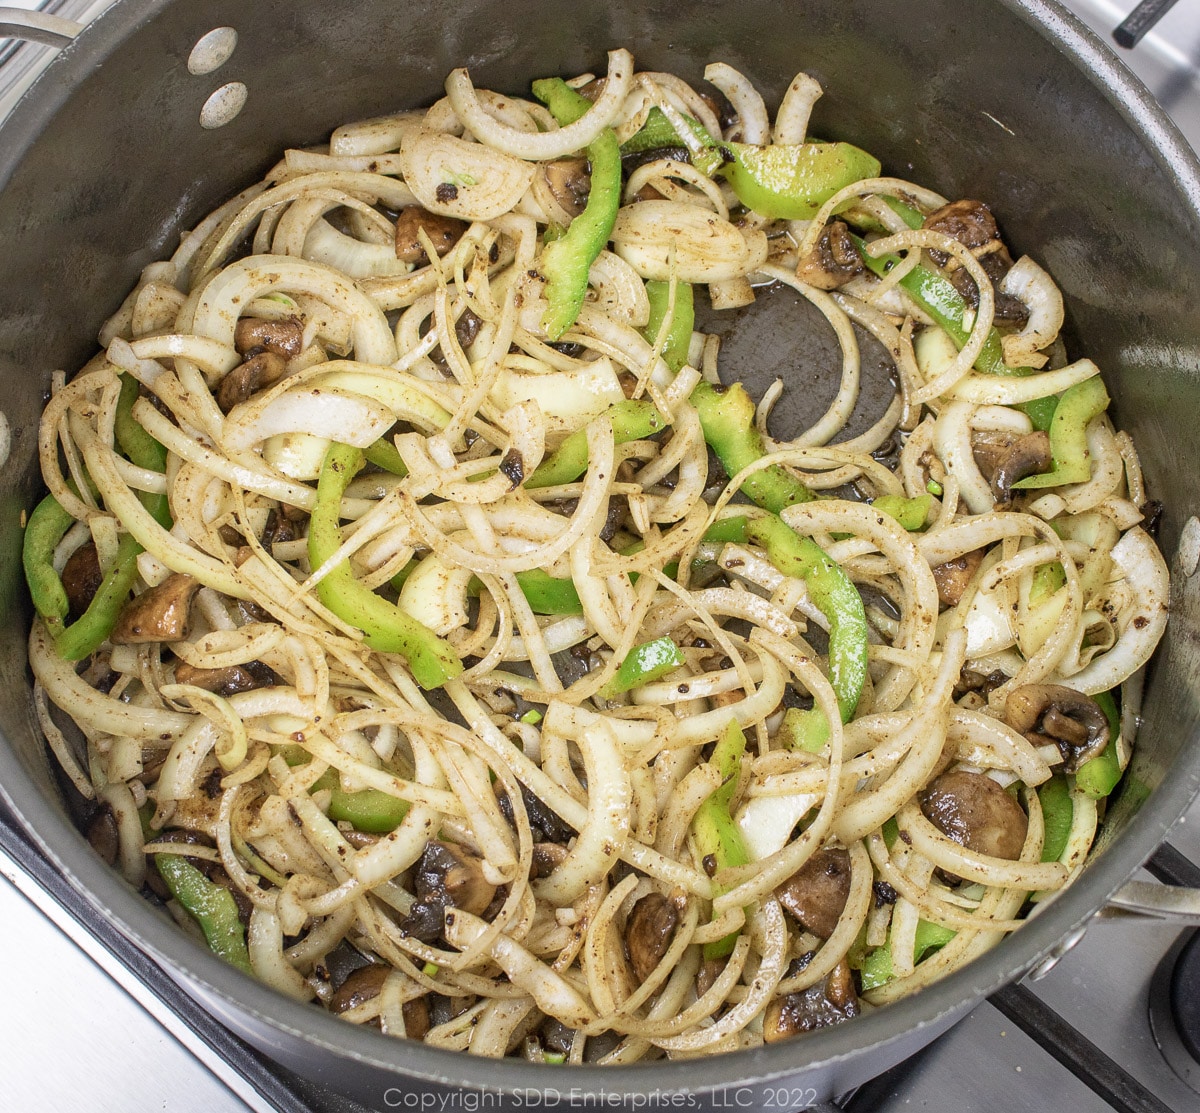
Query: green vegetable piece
728,529
877,966
891,832
632,420
727,418
1098,776
804,730
565,262
912,514
533,716
1068,436
210,905
1057,812
833,593
791,181
141,448
368,810
935,488
644,664
46,527
84,636
548,594
718,837
1047,579
385,626
938,297
679,336
383,455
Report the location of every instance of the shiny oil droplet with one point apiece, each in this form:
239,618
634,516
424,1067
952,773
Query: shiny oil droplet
212,51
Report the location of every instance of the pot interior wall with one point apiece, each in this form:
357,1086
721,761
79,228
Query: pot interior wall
972,106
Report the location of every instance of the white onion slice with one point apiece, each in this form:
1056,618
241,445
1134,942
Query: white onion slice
325,412
465,180
704,247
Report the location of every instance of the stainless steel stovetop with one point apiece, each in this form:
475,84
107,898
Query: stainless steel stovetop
87,1021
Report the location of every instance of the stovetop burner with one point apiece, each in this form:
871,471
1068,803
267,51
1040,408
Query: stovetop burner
1175,1008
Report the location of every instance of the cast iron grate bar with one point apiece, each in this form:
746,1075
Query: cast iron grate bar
1171,867
1076,1052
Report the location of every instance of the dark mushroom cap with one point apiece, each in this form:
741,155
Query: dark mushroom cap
1027,455
260,370
828,1002
977,813
443,232
816,893
953,576
359,987
446,876
283,337
1054,713
159,614
648,932
569,183
82,577
834,260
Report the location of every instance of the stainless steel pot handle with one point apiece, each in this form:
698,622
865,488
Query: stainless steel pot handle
37,27
1148,899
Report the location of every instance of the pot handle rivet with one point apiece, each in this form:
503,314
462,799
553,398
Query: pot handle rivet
212,50
223,105
1052,959
1188,552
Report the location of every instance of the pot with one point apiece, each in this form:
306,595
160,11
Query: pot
105,160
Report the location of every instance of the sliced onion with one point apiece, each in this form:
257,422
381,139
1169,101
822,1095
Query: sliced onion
652,235
325,244
328,412
469,181
746,100
1031,285
543,145
574,396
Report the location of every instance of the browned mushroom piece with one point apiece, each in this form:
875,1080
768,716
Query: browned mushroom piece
648,933
569,183
953,576
248,378
443,232
227,681
159,614
833,262
360,986
416,1018
829,1002
1054,713
1027,455
1008,311
977,813
81,577
446,876
816,893
709,972
283,337
103,836
969,222
547,857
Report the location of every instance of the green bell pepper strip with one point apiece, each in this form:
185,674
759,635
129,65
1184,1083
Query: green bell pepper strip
369,809
938,297
82,637
1098,776
806,730
211,905
644,664
834,595
544,593
1068,436
383,455
46,527
791,181
727,418
384,625
679,336
912,514
718,837
877,966
1057,813
141,448
565,262
632,420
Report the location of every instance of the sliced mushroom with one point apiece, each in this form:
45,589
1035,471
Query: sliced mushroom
360,986
829,1002
248,378
833,262
81,577
977,813
569,183
227,681
1009,311
283,337
1054,713
416,1018
969,222
1027,455
159,614
547,857
547,825
816,893
953,576
447,876
103,835
648,933
443,232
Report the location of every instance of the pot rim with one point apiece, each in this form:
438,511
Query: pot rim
825,1049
